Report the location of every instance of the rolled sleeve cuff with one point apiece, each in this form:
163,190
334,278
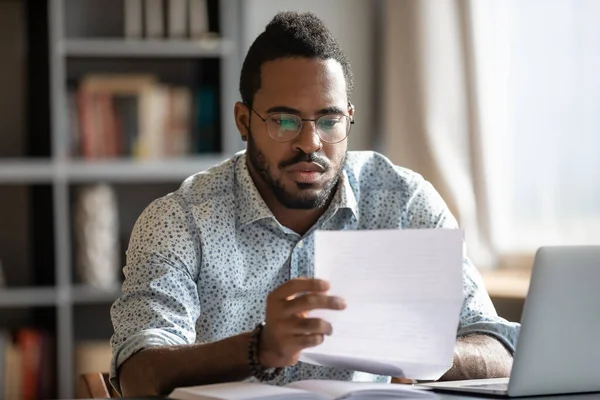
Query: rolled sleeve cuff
505,332
141,340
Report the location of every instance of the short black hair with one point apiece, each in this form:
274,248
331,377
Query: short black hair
291,34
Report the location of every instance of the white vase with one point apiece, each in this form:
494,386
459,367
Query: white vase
96,224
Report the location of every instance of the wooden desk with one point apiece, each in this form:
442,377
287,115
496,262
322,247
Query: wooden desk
447,396
583,396
507,283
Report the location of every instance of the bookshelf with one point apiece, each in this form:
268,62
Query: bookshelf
145,48
79,312
20,171
28,297
127,171
15,171
49,296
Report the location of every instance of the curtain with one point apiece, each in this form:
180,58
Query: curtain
497,103
431,116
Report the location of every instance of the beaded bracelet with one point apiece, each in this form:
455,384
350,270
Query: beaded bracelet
261,373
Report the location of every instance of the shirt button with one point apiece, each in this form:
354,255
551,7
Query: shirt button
300,244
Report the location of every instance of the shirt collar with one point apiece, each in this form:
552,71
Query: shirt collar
345,197
251,207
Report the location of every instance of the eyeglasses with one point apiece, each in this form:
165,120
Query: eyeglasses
331,128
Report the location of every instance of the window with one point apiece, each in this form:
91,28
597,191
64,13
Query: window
538,71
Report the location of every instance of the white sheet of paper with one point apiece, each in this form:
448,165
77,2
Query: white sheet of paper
404,294
346,390
238,391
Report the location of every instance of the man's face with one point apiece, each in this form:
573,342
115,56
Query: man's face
301,173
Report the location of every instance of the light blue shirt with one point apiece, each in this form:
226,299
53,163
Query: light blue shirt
202,260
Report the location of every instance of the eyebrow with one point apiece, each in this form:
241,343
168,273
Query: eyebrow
290,110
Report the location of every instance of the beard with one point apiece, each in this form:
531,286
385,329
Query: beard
304,198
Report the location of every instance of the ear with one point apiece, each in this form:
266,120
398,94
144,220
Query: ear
351,110
242,119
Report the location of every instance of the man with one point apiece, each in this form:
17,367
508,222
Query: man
233,247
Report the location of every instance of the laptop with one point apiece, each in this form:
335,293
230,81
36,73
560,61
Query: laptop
558,350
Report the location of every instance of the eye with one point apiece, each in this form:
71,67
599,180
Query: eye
329,122
286,122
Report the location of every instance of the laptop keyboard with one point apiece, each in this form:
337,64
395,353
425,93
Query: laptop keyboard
490,386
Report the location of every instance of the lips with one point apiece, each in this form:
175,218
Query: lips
307,167
306,172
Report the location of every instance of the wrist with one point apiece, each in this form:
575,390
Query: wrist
260,367
266,356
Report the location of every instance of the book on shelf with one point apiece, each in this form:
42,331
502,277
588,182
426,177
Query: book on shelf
205,119
27,360
199,27
171,19
154,18
4,343
309,389
177,13
138,116
134,27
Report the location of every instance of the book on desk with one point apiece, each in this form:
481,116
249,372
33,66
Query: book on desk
310,389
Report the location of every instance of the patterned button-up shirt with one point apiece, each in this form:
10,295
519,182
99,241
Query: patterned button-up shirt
202,260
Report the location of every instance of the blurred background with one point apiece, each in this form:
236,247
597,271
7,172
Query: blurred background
107,105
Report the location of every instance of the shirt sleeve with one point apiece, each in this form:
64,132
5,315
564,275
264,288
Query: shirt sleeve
159,304
426,209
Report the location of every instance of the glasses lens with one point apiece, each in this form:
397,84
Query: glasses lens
333,128
283,127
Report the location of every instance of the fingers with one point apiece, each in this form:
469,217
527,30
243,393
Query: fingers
299,285
309,302
310,326
293,345
307,332
288,330
308,341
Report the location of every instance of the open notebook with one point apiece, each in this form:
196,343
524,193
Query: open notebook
311,389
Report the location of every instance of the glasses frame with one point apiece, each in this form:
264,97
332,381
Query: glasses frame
302,121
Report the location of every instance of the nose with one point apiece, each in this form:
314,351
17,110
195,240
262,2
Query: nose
308,140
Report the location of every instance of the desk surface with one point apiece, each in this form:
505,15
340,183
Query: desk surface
448,396
507,283
584,396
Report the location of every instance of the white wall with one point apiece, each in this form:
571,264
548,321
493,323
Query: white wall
351,22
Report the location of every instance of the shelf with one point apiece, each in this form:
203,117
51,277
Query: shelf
136,48
25,171
48,296
28,297
167,170
84,294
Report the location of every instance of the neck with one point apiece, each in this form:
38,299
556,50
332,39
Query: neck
300,221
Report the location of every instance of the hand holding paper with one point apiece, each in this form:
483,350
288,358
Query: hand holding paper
403,290
285,333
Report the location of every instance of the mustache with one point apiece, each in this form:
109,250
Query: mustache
306,157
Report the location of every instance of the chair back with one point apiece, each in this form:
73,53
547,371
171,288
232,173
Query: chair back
95,385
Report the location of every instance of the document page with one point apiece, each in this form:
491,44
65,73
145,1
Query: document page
362,390
240,391
403,290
